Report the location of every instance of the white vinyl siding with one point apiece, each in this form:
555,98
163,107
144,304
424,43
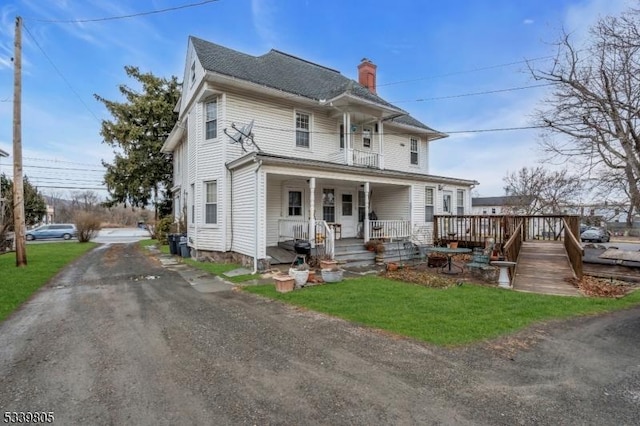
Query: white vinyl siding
392,203
244,214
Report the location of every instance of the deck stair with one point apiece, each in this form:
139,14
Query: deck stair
543,267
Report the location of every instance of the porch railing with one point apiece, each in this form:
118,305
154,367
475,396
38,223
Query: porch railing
293,229
324,239
474,230
365,158
389,229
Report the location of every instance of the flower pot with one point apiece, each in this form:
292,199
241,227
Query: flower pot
392,266
328,264
284,283
300,277
453,244
332,276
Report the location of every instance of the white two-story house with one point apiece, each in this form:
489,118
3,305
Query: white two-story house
274,148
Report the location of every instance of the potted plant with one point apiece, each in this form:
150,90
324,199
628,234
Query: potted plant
332,275
328,263
371,245
284,283
300,274
380,249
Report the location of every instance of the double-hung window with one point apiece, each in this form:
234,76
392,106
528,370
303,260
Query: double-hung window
328,205
211,119
460,202
341,136
211,202
295,203
414,151
428,204
302,129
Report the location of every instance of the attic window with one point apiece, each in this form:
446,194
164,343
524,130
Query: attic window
193,72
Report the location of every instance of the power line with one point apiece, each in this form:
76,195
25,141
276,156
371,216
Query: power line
49,160
485,68
133,15
64,168
56,178
60,74
71,187
487,92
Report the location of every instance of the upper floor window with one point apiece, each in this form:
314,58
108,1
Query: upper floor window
211,202
460,202
211,119
302,129
414,151
341,136
366,137
428,204
193,72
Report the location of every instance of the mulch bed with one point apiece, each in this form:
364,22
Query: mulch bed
599,287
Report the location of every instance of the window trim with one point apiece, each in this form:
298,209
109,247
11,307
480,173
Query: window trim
460,202
297,129
366,136
432,205
289,206
207,120
206,203
412,152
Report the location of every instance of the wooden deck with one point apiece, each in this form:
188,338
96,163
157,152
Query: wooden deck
543,267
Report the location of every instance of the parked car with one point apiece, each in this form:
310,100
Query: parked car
596,235
58,230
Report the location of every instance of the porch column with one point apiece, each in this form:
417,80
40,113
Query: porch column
380,145
366,212
312,211
348,147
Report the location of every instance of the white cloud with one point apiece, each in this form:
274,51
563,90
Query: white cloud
528,21
263,17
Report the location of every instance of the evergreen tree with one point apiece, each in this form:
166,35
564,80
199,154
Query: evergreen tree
140,174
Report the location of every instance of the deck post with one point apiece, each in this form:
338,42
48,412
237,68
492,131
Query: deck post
312,211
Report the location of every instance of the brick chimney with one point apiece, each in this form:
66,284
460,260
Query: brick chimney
367,74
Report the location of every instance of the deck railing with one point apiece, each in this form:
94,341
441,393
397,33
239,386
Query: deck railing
572,244
293,229
389,229
511,248
472,230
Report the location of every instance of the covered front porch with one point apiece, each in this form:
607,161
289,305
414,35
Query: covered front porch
327,210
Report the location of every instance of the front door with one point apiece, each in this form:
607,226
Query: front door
347,214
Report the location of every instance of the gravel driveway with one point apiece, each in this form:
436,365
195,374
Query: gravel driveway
119,339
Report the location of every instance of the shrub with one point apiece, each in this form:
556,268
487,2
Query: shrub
87,225
162,228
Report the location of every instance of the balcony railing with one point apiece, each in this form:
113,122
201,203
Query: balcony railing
365,158
293,229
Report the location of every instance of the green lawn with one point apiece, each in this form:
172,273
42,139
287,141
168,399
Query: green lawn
210,267
452,316
43,262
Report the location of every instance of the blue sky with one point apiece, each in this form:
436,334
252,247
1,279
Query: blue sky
427,53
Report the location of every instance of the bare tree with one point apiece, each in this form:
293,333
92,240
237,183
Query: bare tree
542,191
594,107
87,201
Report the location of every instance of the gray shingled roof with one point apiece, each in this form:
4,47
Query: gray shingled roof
505,200
279,70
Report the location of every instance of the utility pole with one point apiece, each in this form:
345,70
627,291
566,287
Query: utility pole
18,187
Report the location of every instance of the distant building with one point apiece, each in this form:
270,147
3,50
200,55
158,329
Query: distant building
506,204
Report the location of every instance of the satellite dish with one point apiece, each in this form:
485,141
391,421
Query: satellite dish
243,135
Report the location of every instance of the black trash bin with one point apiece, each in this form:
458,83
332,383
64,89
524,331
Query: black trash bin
184,247
173,243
